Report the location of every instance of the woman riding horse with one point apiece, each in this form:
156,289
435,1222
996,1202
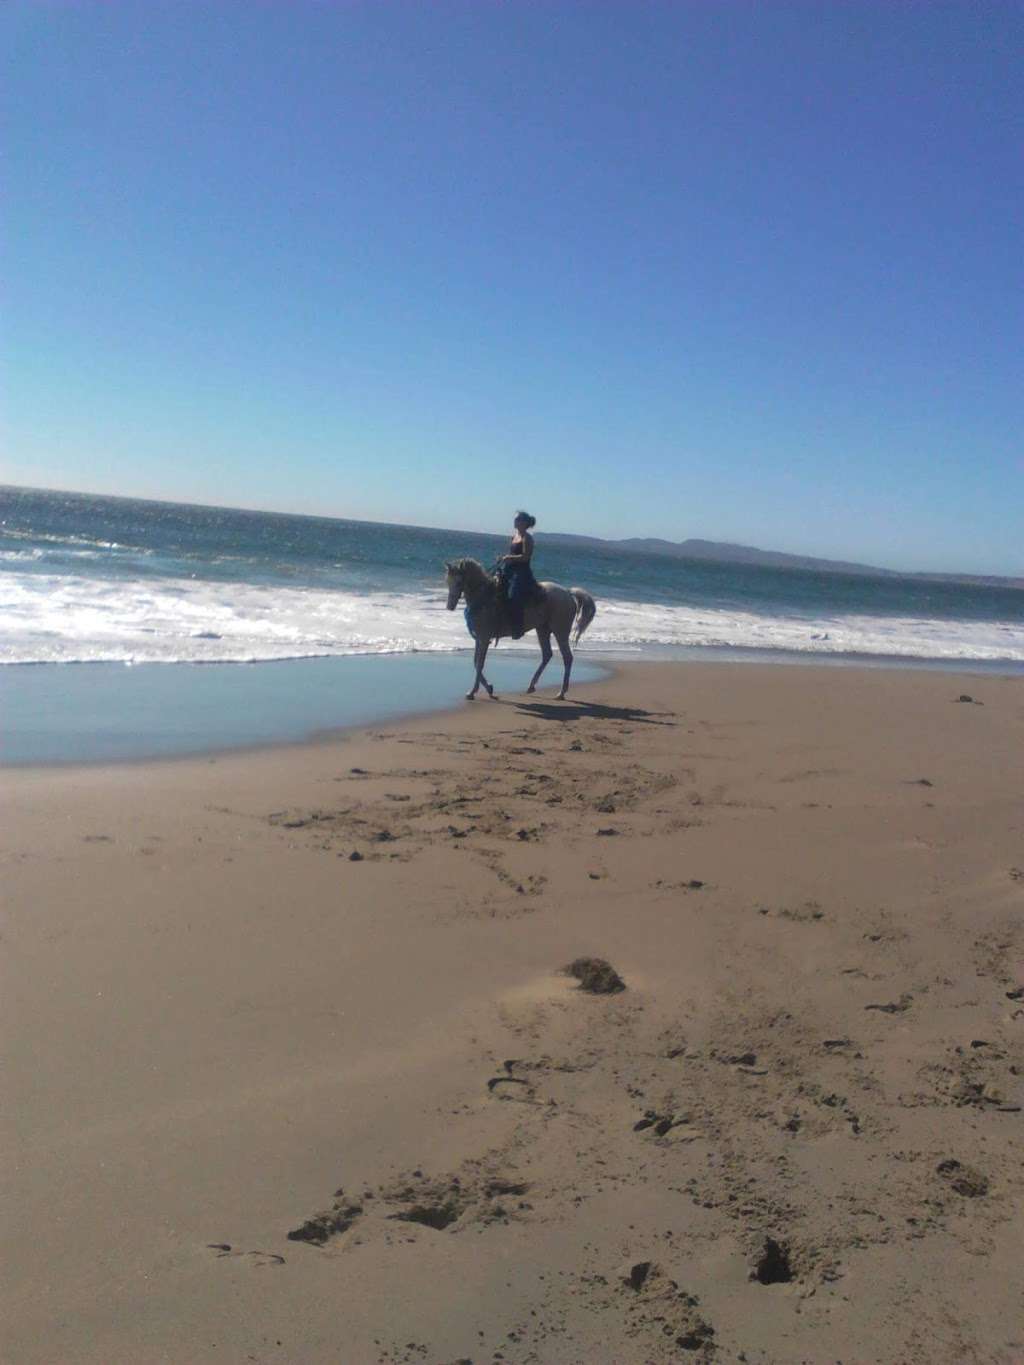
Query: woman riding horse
547,608
516,575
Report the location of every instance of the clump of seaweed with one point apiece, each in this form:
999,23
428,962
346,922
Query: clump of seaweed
595,975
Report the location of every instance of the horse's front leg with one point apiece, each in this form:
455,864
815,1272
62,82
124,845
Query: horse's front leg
479,659
480,675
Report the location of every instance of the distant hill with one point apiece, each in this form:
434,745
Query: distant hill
722,552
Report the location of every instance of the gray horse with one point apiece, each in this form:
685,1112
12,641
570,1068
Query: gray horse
556,612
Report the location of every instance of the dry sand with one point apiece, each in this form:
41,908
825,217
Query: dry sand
270,1102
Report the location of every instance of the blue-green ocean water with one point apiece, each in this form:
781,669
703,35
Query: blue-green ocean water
93,579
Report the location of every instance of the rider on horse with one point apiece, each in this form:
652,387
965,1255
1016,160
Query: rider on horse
517,578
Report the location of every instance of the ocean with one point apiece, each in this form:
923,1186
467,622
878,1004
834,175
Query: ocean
87,579
352,617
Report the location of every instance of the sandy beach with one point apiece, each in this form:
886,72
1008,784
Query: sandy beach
294,1073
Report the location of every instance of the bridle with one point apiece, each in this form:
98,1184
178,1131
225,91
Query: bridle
483,597
487,589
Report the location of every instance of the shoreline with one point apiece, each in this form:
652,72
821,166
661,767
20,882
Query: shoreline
669,653
222,1027
23,703
293,704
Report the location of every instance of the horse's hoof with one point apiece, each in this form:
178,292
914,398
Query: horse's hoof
560,697
530,689
493,695
471,696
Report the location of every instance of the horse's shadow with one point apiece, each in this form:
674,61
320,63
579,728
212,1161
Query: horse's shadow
591,710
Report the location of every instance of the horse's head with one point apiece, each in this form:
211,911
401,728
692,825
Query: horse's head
456,579
466,578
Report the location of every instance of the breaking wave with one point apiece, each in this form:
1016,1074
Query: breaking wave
73,619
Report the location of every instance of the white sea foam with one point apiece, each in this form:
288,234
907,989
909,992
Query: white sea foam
66,619
635,624
41,538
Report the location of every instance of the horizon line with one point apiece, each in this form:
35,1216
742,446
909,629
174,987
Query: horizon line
1009,580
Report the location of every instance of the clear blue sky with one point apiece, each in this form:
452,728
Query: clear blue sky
749,271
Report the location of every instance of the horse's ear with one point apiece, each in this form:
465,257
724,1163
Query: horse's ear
447,565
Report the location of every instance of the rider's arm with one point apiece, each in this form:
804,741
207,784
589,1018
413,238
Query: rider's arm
523,557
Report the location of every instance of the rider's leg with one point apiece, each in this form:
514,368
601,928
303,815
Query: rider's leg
516,605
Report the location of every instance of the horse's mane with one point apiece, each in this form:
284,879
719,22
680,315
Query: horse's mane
470,568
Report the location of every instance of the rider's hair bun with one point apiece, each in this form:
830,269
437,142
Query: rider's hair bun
525,516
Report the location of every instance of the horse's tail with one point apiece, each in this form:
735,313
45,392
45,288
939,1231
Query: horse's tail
586,610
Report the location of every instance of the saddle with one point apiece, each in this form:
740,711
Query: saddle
496,608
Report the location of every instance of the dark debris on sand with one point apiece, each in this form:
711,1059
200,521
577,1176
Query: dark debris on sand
595,975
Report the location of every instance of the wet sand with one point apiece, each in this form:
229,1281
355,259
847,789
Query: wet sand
293,1073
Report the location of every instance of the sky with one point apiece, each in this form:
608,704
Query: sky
716,268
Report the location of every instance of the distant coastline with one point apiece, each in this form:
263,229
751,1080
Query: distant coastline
724,552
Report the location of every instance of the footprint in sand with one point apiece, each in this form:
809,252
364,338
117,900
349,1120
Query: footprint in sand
773,1264
965,1180
662,1124
659,1308
319,1229
476,1194
899,1006
526,1095
472,1198
809,912
256,1258
834,1045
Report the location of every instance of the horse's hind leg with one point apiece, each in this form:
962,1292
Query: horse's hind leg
544,636
563,645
